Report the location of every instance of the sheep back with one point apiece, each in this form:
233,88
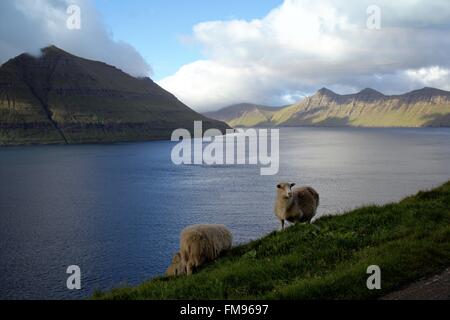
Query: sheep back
202,243
307,199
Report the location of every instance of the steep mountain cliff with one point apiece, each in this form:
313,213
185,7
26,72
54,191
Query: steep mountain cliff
427,107
60,98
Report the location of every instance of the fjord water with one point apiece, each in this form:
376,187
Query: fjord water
117,210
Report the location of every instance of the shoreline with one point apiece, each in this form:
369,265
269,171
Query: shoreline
44,144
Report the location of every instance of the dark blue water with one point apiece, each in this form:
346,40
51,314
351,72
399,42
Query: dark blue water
117,210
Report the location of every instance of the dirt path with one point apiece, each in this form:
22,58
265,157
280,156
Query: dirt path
434,288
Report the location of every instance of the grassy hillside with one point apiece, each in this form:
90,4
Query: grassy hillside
245,115
253,118
327,260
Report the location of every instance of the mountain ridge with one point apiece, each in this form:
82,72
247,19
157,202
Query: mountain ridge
426,107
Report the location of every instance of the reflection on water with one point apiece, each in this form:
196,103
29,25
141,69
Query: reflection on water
117,210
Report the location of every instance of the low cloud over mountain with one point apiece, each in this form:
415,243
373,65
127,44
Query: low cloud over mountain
29,25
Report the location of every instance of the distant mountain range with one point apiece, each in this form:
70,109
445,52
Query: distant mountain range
427,107
60,98
245,115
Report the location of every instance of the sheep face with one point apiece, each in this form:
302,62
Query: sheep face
284,190
176,268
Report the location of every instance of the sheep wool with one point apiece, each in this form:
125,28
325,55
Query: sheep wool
295,206
200,244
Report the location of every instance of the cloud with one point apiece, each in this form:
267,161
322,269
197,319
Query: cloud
29,25
431,77
303,45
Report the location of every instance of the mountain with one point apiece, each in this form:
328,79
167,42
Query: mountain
427,107
61,98
245,115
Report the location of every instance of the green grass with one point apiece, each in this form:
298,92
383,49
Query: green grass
327,260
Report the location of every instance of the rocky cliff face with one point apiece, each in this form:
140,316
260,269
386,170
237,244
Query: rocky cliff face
427,107
61,98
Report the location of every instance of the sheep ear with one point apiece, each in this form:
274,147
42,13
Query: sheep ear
293,185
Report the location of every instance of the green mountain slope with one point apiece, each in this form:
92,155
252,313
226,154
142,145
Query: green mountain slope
427,107
245,115
61,98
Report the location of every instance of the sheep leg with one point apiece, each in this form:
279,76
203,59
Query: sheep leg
282,225
189,269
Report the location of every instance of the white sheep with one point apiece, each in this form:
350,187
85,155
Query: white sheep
176,268
295,206
198,245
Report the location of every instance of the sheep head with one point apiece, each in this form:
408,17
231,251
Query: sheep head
176,268
284,190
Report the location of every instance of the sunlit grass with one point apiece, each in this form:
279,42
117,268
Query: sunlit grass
327,260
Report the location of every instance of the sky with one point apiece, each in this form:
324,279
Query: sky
160,30
211,54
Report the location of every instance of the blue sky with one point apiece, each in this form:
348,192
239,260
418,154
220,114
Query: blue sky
155,27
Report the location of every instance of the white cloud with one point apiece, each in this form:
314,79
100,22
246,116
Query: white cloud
431,77
303,45
29,25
